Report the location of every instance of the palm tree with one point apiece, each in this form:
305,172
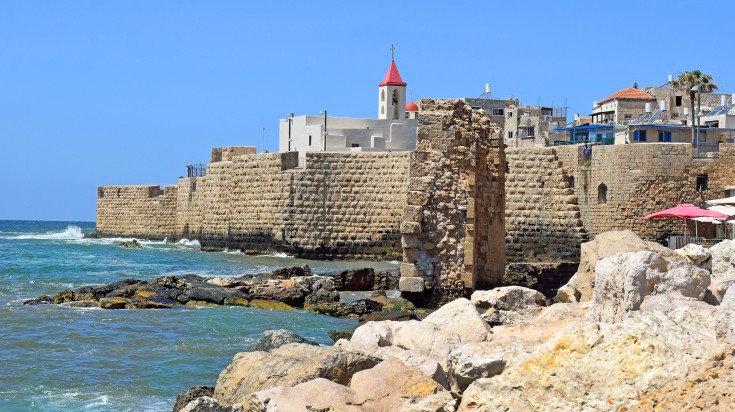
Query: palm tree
687,81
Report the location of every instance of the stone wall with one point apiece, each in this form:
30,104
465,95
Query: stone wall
136,211
223,154
340,204
453,222
542,215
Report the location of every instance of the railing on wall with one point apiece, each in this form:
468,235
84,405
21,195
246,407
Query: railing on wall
196,170
706,150
678,242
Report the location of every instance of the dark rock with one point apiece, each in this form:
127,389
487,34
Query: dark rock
547,278
354,280
193,393
273,339
292,294
352,310
387,280
394,315
64,296
288,273
104,290
133,244
207,292
336,335
380,302
115,303
322,292
82,304
45,299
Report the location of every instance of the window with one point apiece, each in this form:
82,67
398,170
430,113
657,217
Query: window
498,111
309,140
510,135
628,116
510,114
677,102
355,144
527,132
602,193
640,136
664,136
702,183
382,95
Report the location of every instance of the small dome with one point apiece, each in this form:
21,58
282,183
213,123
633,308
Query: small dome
412,107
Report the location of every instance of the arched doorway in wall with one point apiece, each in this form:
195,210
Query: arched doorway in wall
602,193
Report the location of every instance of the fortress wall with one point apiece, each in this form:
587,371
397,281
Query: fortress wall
136,211
542,215
345,204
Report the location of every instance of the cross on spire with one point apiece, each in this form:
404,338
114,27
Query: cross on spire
392,50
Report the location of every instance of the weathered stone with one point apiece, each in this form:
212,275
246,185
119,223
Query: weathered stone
717,289
723,259
208,404
624,279
460,317
411,284
595,367
132,244
193,393
508,304
709,387
697,255
603,245
287,365
273,339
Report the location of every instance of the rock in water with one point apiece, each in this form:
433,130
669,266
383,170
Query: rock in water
273,339
287,366
624,279
207,404
193,393
133,244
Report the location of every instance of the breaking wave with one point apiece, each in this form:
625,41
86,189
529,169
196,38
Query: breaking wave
187,242
70,233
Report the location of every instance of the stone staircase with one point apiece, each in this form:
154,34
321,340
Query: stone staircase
542,216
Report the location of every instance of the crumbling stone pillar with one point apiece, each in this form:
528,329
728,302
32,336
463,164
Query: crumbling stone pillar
453,229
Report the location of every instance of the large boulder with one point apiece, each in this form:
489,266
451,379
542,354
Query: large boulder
508,304
709,387
697,255
287,366
582,285
469,362
725,320
208,404
723,259
592,366
717,290
200,291
390,386
624,279
543,327
274,339
460,316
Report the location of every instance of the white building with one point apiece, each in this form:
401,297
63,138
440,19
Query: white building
394,129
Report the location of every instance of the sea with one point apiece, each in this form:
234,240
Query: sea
59,358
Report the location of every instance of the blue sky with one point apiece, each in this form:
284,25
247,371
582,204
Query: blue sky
129,92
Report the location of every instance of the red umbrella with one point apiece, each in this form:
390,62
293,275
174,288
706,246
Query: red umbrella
686,211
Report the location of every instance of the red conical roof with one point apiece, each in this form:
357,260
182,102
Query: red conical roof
392,77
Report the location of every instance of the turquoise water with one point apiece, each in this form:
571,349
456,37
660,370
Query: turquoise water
56,358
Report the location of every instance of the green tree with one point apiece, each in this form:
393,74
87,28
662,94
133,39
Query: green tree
689,80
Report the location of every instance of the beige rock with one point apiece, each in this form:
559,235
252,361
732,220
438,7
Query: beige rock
697,255
551,320
717,289
624,279
393,386
603,245
725,320
389,386
287,365
595,367
709,387
460,316
723,259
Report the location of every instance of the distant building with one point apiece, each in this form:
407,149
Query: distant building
394,129
522,126
657,114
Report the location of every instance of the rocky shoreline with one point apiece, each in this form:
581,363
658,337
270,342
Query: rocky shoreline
640,328
283,289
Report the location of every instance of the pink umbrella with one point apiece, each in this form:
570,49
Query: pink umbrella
686,211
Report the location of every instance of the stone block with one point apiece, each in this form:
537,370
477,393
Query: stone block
412,213
410,241
410,228
409,270
411,284
417,198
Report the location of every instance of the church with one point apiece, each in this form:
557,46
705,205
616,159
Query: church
393,130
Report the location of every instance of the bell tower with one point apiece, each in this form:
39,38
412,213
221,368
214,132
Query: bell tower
392,93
